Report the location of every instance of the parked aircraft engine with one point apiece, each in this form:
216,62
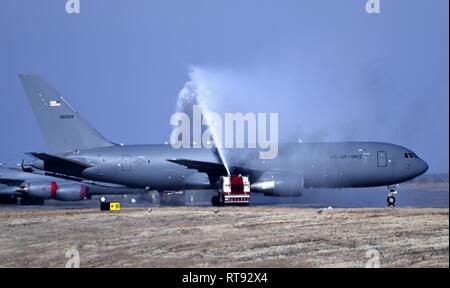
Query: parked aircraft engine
58,191
280,184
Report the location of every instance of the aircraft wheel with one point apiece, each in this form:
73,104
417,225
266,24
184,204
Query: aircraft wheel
215,201
222,200
25,201
29,200
37,201
8,200
391,201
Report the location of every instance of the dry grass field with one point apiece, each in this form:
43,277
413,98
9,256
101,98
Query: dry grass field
225,237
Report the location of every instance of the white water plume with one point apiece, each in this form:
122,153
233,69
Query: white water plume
197,92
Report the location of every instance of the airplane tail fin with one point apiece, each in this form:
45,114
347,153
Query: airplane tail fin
63,127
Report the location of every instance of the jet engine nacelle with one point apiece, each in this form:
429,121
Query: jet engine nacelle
53,190
280,184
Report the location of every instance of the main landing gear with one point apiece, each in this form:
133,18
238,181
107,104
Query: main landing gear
392,190
26,200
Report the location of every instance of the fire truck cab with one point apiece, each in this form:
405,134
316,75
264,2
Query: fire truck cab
232,190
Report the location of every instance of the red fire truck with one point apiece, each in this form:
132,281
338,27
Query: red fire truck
232,190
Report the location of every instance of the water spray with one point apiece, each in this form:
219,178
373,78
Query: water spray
197,92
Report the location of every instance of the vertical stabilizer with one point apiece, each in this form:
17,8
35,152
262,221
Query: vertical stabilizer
63,127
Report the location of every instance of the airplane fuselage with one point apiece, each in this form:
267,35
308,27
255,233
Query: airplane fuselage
339,165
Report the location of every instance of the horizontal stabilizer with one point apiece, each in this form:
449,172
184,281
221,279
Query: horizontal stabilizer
58,164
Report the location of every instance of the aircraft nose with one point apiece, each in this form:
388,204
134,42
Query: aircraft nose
423,166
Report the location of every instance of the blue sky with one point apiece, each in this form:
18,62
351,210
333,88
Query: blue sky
331,71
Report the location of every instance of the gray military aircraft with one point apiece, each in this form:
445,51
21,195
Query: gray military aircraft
77,150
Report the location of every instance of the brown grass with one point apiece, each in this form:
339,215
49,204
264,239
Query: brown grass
225,237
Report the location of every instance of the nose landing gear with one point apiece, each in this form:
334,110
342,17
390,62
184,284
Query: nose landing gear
392,190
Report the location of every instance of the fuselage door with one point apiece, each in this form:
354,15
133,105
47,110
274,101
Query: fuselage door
126,162
381,158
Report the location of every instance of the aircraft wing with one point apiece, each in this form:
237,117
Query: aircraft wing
215,170
201,166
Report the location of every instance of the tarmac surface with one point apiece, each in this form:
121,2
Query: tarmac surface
418,195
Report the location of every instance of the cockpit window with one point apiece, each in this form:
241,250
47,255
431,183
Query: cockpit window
410,155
